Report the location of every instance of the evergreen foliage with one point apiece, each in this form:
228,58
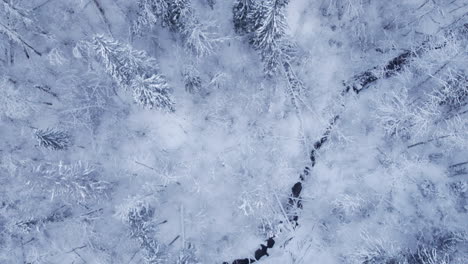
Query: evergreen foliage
178,16
192,79
120,60
130,68
142,228
76,181
152,92
52,138
242,10
265,22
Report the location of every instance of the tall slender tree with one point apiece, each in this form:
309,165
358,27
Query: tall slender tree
241,10
265,22
152,92
132,70
179,17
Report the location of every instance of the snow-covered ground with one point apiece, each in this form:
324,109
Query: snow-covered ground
178,131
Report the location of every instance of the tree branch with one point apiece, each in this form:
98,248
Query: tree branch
102,13
16,37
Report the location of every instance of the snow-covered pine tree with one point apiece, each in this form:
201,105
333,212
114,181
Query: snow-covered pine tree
265,22
150,12
169,13
192,79
241,10
120,60
454,92
198,39
180,11
53,138
152,92
269,23
76,181
187,255
178,16
436,115
143,228
130,70
39,223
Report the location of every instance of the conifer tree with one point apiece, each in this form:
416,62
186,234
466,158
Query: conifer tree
132,70
266,24
178,16
76,181
168,13
143,229
269,35
150,13
152,92
120,61
179,12
187,256
192,79
198,39
270,24
54,139
241,10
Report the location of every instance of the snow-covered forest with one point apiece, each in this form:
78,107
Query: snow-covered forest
233,131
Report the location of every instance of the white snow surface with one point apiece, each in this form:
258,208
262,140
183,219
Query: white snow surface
390,185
